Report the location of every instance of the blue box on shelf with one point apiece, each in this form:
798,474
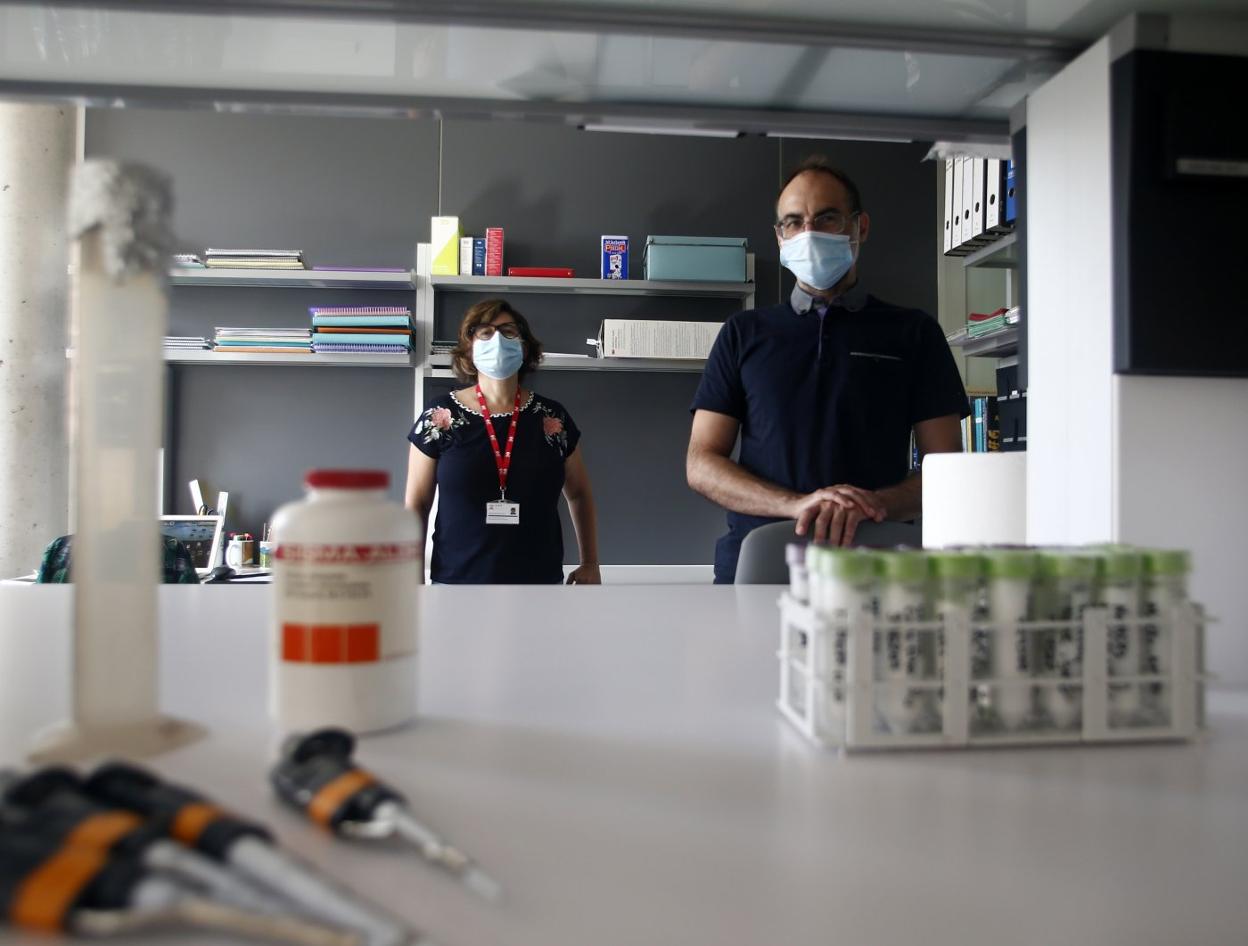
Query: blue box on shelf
696,259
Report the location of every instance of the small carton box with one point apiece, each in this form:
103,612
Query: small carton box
465,256
493,251
614,257
706,259
444,245
648,338
478,256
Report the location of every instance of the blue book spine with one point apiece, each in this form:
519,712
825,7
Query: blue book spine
1011,205
478,256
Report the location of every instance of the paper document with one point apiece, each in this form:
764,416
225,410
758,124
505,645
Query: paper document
636,338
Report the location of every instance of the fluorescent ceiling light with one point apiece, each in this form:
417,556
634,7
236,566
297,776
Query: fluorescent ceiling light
846,137
661,130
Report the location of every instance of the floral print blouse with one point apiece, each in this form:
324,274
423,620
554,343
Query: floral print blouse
465,549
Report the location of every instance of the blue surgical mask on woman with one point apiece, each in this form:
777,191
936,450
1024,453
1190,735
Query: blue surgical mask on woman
498,357
819,260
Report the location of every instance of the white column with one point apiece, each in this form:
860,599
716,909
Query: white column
38,146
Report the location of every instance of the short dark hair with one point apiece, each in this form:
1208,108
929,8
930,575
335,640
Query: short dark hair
483,313
819,164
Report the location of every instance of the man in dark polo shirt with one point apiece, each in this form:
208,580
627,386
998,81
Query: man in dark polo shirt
824,389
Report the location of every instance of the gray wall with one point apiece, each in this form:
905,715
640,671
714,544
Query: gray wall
360,192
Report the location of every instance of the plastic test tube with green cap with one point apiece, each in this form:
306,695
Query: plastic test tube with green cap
843,585
957,579
1067,583
1122,568
904,599
1165,588
1010,575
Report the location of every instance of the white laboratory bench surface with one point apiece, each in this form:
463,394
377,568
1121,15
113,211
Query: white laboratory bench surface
614,757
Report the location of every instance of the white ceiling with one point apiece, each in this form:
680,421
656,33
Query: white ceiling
907,68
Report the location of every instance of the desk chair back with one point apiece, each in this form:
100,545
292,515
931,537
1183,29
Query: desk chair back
761,561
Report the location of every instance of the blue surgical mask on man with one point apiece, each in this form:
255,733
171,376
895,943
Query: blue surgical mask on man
499,357
820,260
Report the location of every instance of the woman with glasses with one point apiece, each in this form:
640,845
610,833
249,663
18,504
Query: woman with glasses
498,456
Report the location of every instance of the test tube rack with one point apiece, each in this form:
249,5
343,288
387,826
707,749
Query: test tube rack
840,706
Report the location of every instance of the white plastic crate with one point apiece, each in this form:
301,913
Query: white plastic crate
836,689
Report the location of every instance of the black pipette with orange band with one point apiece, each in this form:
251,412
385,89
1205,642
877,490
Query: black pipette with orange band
51,802
49,887
317,776
249,849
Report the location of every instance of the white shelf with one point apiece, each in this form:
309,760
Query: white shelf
999,254
316,360
441,364
593,287
290,278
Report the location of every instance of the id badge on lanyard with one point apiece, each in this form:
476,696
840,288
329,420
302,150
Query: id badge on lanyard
502,512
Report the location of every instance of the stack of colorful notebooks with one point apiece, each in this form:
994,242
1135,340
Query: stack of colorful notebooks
187,343
365,329
270,341
253,259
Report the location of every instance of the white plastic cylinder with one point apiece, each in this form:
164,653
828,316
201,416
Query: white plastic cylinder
346,576
1165,589
1011,574
1120,592
843,582
904,600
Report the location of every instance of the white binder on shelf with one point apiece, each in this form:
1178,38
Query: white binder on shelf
968,188
956,203
977,198
948,206
992,196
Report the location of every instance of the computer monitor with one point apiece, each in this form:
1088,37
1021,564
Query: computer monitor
200,534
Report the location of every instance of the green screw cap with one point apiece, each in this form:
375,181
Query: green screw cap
853,565
1167,561
1120,562
1010,563
1061,564
903,566
957,565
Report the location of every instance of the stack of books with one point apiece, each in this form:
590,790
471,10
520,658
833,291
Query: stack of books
363,329
254,259
187,343
270,341
979,324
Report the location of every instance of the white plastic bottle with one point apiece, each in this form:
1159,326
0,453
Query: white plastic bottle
346,574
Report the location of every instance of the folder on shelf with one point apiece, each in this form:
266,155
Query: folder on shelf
968,191
957,203
977,198
948,206
1011,205
992,196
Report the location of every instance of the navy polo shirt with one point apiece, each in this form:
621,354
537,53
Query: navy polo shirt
826,395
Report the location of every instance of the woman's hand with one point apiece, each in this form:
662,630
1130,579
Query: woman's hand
585,575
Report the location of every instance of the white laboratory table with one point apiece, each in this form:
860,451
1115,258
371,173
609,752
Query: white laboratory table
613,756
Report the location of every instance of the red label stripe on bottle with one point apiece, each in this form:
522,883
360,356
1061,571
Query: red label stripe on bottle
382,554
331,643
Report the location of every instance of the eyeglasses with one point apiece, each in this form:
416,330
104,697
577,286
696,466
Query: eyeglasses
483,333
827,221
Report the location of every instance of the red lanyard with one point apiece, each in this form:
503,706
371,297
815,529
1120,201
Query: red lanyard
501,460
